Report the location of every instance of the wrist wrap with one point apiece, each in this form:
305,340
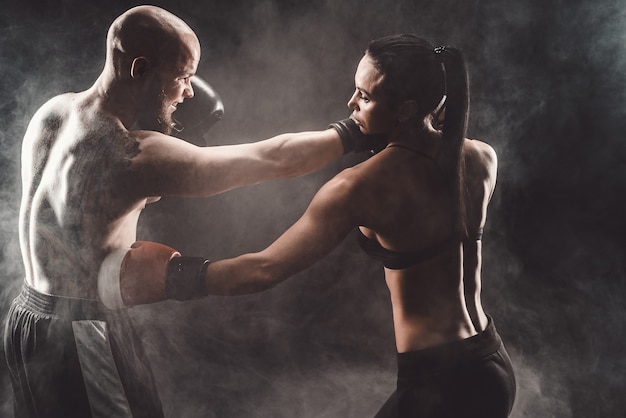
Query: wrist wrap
185,278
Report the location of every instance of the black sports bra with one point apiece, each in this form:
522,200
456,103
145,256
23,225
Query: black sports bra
397,260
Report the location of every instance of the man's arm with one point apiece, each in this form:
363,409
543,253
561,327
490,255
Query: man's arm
167,166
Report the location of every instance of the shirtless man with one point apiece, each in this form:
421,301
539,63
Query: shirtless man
86,176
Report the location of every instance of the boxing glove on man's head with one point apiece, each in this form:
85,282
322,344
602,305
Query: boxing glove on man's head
194,117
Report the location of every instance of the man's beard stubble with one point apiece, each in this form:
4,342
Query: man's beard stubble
156,118
164,117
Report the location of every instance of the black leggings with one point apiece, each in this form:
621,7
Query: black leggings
464,379
74,358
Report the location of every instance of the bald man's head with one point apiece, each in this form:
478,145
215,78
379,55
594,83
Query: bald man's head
151,57
150,32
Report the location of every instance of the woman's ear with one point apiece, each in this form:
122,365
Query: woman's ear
138,67
407,110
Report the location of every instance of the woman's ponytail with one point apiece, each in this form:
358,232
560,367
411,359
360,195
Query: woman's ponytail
454,129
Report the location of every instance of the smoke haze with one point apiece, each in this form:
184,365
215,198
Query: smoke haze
548,93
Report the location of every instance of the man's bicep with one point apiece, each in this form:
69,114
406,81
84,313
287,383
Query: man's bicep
168,166
161,166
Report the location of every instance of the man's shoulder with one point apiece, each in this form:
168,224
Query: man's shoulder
47,120
57,103
54,111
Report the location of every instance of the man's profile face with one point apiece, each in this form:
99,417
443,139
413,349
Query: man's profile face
169,86
162,96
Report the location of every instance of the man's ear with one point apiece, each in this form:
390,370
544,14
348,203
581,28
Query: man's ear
407,110
139,67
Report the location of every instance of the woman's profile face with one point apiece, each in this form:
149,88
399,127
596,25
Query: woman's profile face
369,103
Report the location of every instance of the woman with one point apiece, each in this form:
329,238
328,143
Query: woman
420,205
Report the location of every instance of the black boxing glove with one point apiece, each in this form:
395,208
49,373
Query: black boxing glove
197,115
354,140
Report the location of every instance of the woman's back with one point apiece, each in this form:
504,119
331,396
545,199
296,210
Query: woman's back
434,277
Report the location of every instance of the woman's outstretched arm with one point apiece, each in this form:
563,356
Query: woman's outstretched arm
331,215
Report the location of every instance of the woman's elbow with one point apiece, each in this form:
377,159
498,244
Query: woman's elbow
261,277
267,277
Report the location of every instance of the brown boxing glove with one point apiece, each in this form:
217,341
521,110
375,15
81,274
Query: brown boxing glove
135,275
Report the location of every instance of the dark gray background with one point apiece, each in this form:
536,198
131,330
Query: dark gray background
548,93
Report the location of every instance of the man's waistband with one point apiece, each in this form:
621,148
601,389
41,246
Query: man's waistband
61,306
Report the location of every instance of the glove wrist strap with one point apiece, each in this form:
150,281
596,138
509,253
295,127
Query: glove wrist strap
185,278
